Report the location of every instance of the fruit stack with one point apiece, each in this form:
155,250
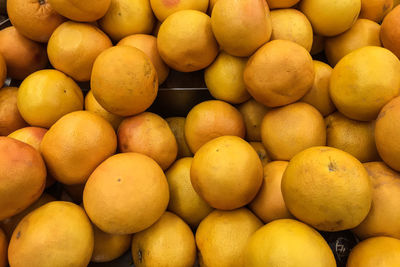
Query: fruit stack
288,148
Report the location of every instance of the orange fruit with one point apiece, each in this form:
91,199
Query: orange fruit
76,144
363,33
126,194
186,42
56,234
390,31
222,236
364,81
74,46
387,130
261,151
164,8
354,137
211,119
282,243
131,83
269,205
241,27
379,251
224,79
290,24
281,3
375,10
253,114
177,125
148,134
10,118
148,44
289,130
22,176
89,10
279,73
47,95
318,96
34,19
92,105
168,242
327,188
124,18
330,18
383,218
3,249
226,172
184,201
22,55
108,247
30,135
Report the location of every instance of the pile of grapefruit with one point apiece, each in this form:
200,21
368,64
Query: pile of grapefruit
289,146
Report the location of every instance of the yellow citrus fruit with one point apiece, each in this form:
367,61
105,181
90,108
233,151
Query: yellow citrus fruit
222,236
261,151
253,113
126,194
289,130
224,79
282,243
379,251
318,96
56,234
177,125
76,144
47,95
164,8
327,188
30,135
226,172
168,242
10,118
88,10
364,81
279,73
74,46
184,201
281,3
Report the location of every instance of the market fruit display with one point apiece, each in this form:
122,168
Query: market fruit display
200,133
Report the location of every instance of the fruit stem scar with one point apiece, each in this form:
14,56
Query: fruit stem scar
332,165
18,235
42,2
140,255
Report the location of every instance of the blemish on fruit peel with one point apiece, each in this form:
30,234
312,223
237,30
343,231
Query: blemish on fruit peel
170,3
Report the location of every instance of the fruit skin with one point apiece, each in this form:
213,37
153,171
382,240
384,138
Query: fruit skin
30,135
253,113
354,137
364,81
288,130
148,134
47,95
184,201
108,247
290,24
73,48
375,10
249,25
279,73
3,70
226,172
124,18
126,194
164,8
261,151
148,44
168,242
92,105
22,176
3,249
281,3
34,19
81,10
318,96
75,145
327,188
22,55
364,32
211,119
282,243
390,31
120,92
387,129
269,205
177,125
185,48
10,118
330,18
383,218
222,236
224,79
56,234
379,251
